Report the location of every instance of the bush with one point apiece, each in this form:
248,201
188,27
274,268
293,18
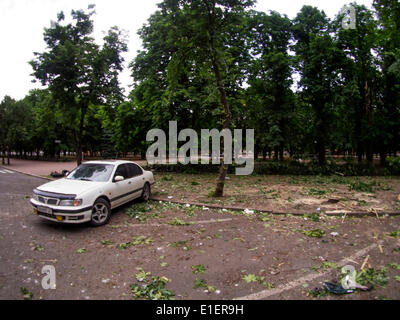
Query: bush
277,168
393,166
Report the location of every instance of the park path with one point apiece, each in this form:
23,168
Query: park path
43,168
39,168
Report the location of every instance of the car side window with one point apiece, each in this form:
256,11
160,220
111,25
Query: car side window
122,170
135,170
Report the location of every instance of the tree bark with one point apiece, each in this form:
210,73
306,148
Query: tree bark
219,190
79,136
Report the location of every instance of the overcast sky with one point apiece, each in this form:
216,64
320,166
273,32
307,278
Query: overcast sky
22,23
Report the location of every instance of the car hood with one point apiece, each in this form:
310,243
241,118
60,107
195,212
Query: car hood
69,186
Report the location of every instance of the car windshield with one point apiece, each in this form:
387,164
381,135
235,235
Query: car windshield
97,172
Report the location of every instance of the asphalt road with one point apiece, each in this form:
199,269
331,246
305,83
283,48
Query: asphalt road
90,265
27,243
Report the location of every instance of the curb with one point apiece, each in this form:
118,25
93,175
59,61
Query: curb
215,206
28,174
336,214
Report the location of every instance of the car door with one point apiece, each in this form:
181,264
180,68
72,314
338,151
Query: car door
137,180
121,189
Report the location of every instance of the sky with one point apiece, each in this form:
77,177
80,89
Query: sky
22,23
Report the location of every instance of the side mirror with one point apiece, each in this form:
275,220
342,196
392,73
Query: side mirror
118,178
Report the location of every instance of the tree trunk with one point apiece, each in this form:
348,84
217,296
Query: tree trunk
219,190
79,137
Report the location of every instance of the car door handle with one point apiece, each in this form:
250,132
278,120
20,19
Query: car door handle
129,182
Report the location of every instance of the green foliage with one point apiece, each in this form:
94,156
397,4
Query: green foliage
167,178
79,73
199,283
316,233
139,240
315,216
393,166
275,167
394,265
362,186
395,234
249,278
141,212
152,290
27,294
372,277
207,64
198,268
178,222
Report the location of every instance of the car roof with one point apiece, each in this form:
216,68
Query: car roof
110,161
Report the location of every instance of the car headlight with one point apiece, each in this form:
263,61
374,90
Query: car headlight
71,203
35,197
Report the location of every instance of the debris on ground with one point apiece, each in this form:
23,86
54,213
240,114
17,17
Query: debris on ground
56,174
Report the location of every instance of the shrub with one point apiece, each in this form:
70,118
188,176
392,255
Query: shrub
393,166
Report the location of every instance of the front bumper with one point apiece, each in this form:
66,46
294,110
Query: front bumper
63,214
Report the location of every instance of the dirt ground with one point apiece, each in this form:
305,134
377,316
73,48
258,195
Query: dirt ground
288,194
204,253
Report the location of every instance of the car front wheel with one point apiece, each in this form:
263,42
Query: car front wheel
146,192
101,213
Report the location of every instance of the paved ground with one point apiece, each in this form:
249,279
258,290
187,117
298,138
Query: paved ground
41,168
235,255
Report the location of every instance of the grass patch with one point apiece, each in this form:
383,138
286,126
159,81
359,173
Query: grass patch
141,211
395,234
313,216
178,222
362,186
152,290
372,277
249,278
198,268
316,233
316,192
199,283
167,178
140,240
394,265
178,243
27,295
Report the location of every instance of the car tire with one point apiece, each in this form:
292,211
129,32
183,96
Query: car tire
146,193
101,213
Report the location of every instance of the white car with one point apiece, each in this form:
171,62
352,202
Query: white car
91,190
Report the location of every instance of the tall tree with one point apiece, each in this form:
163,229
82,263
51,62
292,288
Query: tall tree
270,97
188,48
79,73
318,59
359,74
388,12
5,122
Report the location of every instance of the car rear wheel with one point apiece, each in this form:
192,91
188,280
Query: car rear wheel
101,213
146,192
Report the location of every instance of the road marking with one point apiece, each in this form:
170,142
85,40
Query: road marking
8,171
312,276
1,171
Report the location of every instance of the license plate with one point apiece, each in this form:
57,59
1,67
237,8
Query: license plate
45,210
